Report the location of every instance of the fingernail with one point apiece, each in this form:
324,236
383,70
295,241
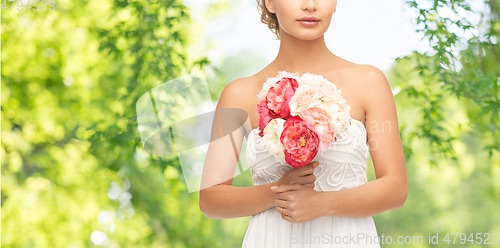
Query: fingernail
273,187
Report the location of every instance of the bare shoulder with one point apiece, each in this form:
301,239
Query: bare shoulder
234,93
230,92
236,101
372,76
373,83
361,75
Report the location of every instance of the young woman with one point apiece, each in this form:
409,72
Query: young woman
327,203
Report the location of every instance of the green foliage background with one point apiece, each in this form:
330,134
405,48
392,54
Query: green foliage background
72,161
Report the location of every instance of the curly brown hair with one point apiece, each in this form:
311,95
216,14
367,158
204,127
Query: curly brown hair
268,18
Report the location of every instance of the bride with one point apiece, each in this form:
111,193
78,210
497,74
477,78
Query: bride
327,203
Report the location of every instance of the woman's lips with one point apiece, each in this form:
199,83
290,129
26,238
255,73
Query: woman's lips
309,23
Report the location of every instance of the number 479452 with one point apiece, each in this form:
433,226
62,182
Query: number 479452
480,238
35,5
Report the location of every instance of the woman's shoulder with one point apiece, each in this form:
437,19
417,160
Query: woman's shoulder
244,90
359,75
237,91
368,77
352,69
239,97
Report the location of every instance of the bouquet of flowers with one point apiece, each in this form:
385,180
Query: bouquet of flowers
299,116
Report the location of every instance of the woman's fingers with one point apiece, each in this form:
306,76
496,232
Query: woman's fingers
280,202
281,210
283,196
309,185
309,168
308,179
305,170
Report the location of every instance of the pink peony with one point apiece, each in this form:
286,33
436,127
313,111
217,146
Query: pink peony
274,99
300,140
264,116
319,118
279,95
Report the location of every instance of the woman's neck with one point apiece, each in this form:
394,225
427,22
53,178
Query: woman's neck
302,56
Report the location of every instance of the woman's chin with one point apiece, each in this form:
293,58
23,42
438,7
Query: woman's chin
308,35
302,33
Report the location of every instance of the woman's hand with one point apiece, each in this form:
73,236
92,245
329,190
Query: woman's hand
300,175
299,203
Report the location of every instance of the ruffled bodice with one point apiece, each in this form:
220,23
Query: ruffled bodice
342,165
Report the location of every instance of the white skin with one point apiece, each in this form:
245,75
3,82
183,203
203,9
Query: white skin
365,88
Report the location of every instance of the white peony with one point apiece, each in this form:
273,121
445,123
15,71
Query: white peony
272,134
312,80
341,116
305,97
328,90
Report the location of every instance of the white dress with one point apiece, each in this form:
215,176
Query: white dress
342,166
